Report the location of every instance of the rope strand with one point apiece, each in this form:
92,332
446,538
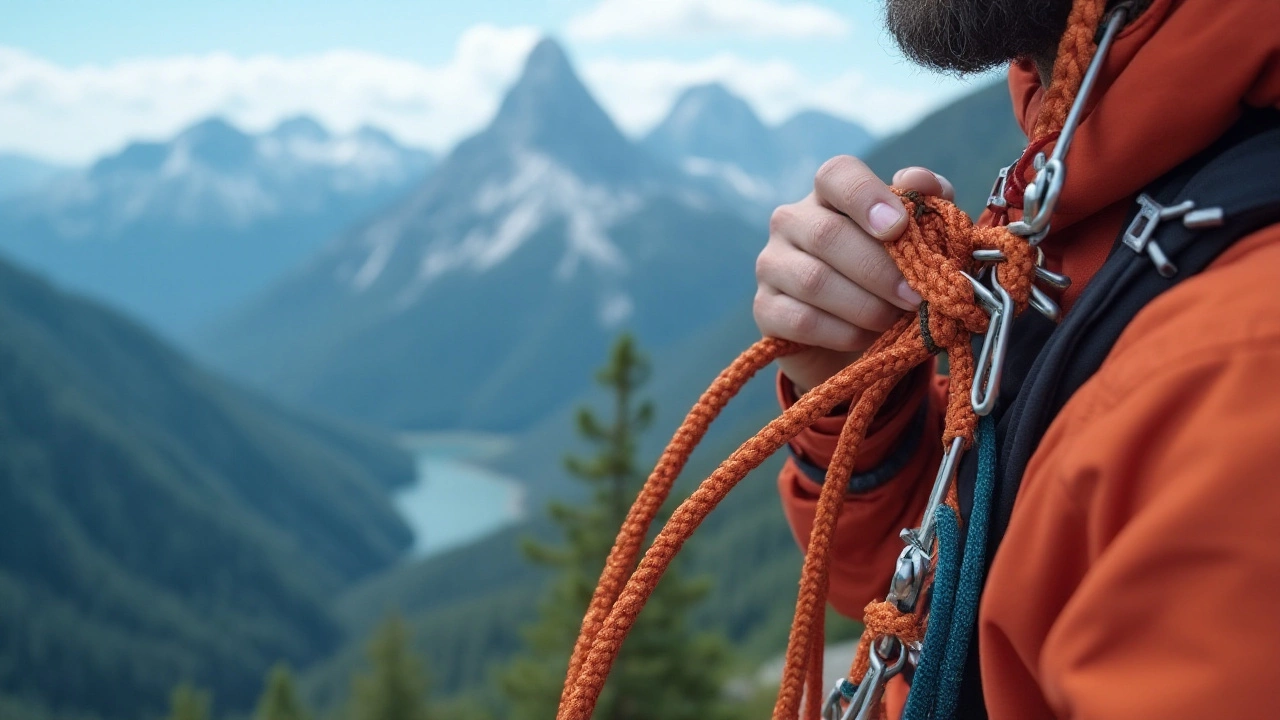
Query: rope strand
933,253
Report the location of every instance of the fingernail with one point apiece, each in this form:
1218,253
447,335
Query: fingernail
884,216
911,297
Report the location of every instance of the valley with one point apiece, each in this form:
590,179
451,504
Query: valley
260,390
455,499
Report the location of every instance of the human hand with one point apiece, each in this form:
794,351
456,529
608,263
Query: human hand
824,278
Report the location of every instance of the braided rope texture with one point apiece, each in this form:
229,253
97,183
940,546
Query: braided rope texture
933,252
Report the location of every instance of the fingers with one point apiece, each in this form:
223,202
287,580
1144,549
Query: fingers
842,247
845,184
785,317
924,181
800,275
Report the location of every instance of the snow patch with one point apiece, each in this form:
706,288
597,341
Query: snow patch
742,182
383,239
504,214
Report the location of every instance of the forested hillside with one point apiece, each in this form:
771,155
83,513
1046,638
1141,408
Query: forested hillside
161,525
466,607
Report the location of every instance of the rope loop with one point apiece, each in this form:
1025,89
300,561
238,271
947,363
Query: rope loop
935,255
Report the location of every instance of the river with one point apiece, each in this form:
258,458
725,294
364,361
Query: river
455,499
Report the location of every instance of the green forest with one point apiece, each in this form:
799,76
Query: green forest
185,548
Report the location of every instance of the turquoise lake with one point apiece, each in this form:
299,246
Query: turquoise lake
456,499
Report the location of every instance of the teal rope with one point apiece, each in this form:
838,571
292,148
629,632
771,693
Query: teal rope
972,572
924,684
957,589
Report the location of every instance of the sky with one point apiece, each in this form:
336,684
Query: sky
81,78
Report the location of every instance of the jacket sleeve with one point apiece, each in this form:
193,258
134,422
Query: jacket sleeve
887,492
1155,579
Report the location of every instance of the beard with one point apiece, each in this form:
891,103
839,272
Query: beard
966,36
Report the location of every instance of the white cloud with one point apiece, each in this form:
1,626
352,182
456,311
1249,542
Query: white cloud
684,18
77,113
639,93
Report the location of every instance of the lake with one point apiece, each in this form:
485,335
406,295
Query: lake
455,498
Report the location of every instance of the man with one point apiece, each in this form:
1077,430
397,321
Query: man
1140,571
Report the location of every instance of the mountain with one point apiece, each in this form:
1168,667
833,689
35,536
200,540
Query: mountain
158,524
182,231
482,299
710,132
467,606
20,174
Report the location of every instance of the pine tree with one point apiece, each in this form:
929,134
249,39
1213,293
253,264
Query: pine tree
665,671
280,699
187,702
396,686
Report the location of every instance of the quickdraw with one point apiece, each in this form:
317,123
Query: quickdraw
973,280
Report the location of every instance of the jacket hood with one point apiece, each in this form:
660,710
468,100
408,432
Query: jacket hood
1177,77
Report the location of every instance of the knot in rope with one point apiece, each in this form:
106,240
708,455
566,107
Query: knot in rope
937,249
935,254
880,620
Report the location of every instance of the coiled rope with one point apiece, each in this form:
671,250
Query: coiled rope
933,254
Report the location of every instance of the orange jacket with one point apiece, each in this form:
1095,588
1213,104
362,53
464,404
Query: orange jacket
1140,575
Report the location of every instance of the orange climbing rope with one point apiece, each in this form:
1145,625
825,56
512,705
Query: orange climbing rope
935,253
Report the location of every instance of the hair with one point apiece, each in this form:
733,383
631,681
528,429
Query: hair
967,36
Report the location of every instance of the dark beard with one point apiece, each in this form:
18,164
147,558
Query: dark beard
966,36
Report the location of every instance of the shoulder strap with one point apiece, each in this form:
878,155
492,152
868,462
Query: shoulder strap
1223,194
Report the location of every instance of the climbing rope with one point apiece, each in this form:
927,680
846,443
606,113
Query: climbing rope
936,255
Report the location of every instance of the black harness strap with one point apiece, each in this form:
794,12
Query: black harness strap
1046,365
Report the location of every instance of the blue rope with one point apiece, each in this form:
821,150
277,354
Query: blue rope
972,571
957,588
924,683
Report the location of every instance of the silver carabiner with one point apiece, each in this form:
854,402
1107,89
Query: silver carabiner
922,537
990,366
871,689
1040,300
833,708
908,578
1041,196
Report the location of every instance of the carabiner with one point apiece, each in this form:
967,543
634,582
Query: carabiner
990,366
922,537
871,689
1041,196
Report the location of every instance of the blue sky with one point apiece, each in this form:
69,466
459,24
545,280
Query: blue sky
78,79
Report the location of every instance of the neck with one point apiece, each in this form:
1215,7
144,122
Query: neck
1044,66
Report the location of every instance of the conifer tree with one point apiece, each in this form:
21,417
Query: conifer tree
280,698
395,688
187,702
665,671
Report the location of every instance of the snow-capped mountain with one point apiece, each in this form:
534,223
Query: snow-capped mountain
179,232
486,296
714,134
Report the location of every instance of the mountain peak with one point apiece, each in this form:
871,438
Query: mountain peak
303,127
702,108
217,144
550,110
547,59
710,122
709,95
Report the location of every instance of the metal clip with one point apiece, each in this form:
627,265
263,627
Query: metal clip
908,578
996,201
833,708
1042,195
1039,299
922,537
990,366
1141,232
880,672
